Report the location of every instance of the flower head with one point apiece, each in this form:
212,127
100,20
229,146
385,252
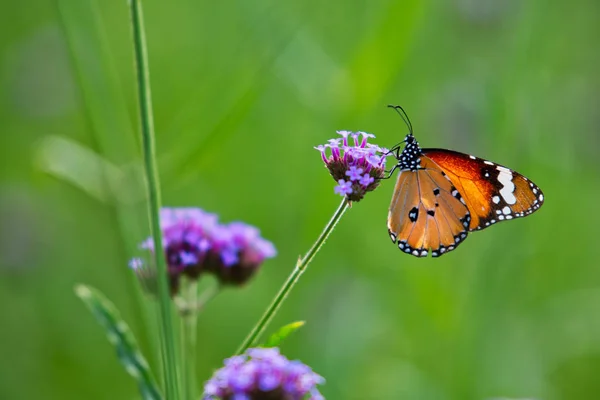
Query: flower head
356,165
195,243
263,373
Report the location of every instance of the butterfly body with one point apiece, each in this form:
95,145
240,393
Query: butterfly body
442,195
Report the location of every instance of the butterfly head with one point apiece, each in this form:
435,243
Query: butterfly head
410,158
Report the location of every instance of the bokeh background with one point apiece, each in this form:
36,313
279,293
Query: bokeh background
242,92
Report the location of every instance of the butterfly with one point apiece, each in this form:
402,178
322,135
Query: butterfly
442,195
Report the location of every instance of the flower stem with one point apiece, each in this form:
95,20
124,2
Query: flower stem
301,266
189,322
168,349
189,308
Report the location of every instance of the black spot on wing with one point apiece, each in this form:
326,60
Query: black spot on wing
413,214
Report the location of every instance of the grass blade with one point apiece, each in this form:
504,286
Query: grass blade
167,334
120,336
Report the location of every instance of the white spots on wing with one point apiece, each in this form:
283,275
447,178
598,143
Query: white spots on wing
541,197
473,157
535,191
423,253
496,199
466,221
506,210
415,252
505,177
488,162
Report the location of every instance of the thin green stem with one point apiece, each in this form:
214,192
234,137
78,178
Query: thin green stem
154,202
189,322
301,266
189,307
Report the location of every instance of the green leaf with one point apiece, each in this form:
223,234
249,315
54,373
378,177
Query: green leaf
275,339
86,169
120,336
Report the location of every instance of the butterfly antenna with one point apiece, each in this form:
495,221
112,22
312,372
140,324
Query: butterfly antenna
404,116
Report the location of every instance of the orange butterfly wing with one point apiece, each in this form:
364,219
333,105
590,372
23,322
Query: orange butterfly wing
491,192
427,212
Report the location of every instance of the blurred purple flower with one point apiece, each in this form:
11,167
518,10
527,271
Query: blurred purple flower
353,158
263,373
195,243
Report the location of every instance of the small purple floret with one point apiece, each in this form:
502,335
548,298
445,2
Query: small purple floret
343,188
322,148
187,258
354,173
240,396
345,135
366,180
136,263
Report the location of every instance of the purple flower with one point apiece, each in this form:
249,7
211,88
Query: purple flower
366,180
263,373
354,173
136,263
362,163
344,188
195,243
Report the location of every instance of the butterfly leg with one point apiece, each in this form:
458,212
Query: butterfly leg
390,172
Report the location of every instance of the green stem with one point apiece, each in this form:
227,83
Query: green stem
189,308
301,266
154,202
189,322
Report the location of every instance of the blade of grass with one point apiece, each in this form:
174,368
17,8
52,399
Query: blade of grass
154,201
120,336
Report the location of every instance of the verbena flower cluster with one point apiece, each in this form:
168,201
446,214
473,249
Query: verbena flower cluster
263,374
356,165
196,243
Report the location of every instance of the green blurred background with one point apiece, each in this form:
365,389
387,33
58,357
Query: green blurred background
242,92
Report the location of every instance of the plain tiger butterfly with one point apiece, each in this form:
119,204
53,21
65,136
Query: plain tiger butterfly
442,195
